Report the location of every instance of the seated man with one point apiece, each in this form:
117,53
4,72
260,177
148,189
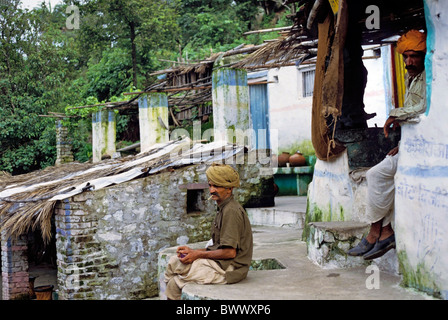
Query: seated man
228,258
380,178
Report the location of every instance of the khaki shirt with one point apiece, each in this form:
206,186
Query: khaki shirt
232,228
414,99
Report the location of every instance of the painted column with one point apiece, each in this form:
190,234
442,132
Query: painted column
231,112
421,182
153,119
63,145
15,277
103,134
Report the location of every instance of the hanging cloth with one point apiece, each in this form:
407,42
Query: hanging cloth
329,84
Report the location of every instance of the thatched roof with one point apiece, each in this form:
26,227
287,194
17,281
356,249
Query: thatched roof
27,201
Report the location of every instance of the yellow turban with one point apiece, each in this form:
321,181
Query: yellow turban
412,40
223,175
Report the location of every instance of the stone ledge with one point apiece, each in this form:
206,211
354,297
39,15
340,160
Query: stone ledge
328,243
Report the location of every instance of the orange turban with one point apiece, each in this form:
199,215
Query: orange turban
412,40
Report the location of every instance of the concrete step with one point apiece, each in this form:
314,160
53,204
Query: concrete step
288,211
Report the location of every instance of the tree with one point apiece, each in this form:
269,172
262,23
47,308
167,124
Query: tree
46,67
218,25
136,27
35,69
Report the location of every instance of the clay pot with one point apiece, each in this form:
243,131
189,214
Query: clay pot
44,292
297,160
283,159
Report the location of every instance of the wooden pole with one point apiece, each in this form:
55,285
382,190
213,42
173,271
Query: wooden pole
267,30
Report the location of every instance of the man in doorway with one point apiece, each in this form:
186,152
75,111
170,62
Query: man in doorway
380,178
228,257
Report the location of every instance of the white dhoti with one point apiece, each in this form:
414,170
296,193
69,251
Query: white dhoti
201,271
381,191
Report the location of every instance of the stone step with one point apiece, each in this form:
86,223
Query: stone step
275,217
328,243
288,211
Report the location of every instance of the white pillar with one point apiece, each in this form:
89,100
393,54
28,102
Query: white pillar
421,181
153,119
103,134
231,112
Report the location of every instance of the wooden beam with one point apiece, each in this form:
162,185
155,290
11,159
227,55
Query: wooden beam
178,89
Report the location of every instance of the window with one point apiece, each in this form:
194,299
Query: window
195,201
308,83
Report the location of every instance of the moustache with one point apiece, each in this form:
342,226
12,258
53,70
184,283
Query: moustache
211,195
411,68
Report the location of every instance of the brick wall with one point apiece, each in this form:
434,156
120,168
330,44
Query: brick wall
82,266
15,283
64,152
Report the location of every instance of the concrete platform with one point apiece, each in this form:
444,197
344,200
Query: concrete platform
277,235
300,279
288,211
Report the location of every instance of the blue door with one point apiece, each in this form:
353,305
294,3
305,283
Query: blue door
259,112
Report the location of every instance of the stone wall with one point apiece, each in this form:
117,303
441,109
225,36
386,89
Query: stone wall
108,240
421,182
257,179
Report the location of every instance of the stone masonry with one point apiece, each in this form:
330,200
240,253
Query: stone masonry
328,243
15,284
108,240
64,152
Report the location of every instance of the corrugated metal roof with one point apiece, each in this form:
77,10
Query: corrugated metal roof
24,198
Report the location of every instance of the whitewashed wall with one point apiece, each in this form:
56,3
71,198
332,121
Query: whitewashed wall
335,194
421,196
289,112
422,178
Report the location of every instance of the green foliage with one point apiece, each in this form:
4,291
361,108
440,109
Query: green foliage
33,73
128,31
28,142
46,67
217,25
111,75
80,132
